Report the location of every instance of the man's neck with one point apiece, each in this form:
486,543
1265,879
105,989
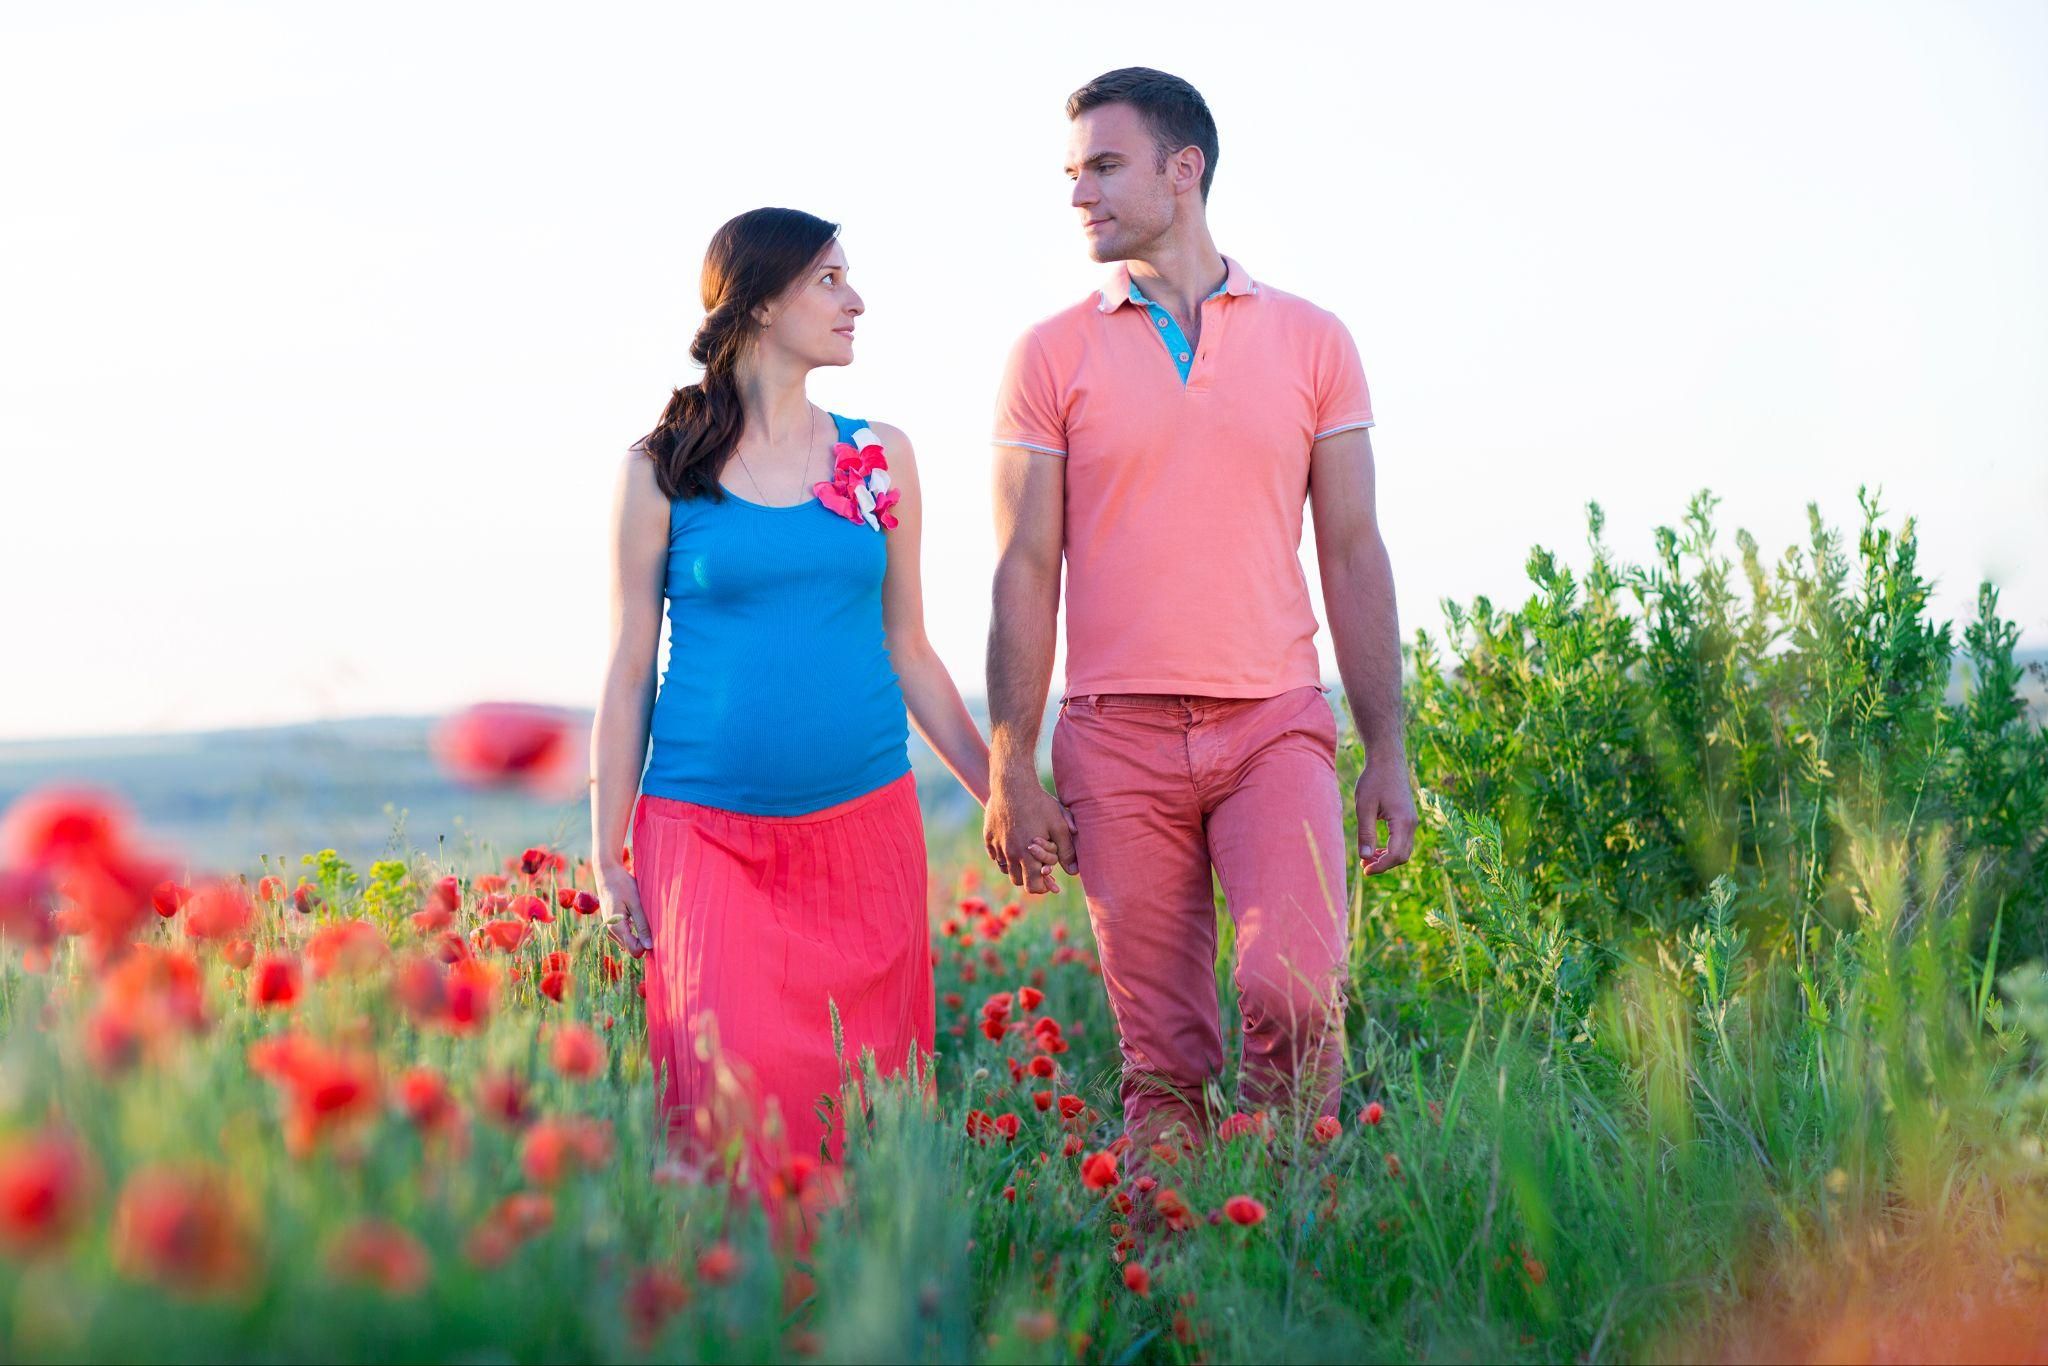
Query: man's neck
1179,275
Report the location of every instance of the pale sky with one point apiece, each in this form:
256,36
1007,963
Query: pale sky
322,328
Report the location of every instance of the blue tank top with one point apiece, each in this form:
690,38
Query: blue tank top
779,697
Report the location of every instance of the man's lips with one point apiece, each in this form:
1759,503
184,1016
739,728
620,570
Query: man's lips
1093,223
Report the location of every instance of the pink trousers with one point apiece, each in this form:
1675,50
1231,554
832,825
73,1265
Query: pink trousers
1164,790
762,926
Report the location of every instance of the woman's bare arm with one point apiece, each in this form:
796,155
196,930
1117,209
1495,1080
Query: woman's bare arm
618,739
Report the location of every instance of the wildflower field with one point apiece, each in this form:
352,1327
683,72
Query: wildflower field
1708,1021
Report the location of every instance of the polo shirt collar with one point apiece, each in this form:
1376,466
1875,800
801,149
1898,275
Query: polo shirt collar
1120,290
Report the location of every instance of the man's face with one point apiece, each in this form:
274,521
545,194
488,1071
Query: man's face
1125,202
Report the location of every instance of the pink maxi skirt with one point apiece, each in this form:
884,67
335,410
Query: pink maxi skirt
761,925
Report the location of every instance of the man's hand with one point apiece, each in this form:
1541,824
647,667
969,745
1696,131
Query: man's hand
1022,824
1382,795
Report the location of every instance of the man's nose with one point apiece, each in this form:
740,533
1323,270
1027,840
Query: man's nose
1084,192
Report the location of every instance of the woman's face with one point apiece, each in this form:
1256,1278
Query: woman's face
813,321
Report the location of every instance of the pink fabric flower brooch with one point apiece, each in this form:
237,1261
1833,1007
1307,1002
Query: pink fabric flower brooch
859,489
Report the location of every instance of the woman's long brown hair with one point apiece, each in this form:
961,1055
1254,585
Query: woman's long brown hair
752,259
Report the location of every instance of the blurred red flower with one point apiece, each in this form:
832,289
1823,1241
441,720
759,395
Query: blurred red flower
1242,1209
377,1253
345,947
717,1264
1136,1279
218,910
46,1182
276,981
652,1298
553,1146
501,1098
577,1053
183,1227
502,744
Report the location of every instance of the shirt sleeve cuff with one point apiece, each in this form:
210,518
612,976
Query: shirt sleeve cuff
1349,425
1039,446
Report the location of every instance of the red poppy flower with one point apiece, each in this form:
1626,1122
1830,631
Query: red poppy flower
305,898
1071,1106
502,744
1098,1171
379,1254
1374,1113
1174,1210
269,887
586,903
218,910
329,1089
652,1298
554,985
552,1147
1136,1279
169,897
1242,1209
62,827
1008,1125
501,1098
1041,1067
532,908
238,953
346,947
275,982
46,1182
423,1098
507,935
148,1000
1029,997
717,1264
1042,1100
1241,1125
184,1228
471,985
1327,1129
578,1054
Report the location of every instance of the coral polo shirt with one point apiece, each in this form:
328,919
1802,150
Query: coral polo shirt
1184,495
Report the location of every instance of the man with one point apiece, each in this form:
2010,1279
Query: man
1161,437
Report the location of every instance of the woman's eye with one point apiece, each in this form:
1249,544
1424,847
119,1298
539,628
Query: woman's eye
830,277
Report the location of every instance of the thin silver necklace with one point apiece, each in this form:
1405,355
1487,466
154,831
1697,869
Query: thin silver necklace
810,426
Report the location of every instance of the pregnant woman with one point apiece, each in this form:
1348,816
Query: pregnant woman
778,858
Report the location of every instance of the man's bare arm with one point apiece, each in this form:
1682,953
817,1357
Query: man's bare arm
1030,513
1358,595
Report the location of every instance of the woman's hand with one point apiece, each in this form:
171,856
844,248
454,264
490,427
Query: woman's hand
618,897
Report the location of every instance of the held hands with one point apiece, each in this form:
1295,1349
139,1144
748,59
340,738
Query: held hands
1382,795
1028,833
619,905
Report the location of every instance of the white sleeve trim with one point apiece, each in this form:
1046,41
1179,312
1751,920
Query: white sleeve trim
1030,446
1347,427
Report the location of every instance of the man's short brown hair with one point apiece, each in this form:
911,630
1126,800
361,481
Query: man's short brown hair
1174,110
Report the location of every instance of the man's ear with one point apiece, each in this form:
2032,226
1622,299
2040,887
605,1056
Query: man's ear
1187,165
